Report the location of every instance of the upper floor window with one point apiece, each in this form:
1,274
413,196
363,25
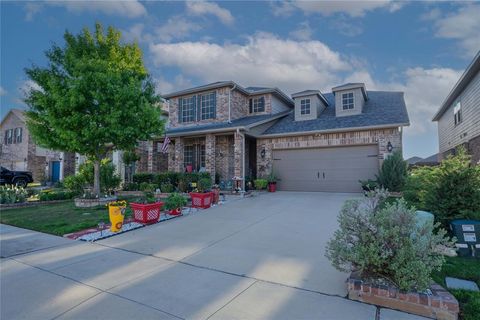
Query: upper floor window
305,106
8,136
187,109
207,106
17,136
347,101
257,105
457,113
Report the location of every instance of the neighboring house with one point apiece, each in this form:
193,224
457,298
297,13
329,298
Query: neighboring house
19,152
459,116
312,141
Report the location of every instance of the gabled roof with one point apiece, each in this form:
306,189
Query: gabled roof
461,84
241,123
383,109
17,112
310,93
249,91
352,85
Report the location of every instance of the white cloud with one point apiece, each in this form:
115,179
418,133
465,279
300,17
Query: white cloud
176,28
462,25
346,27
327,8
164,86
200,8
303,32
263,60
2,91
123,8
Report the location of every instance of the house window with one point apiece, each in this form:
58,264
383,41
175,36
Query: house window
188,155
257,105
194,155
9,136
187,109
347,101
305,106
457,113
207,106
17,137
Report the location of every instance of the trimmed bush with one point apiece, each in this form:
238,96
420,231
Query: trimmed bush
131,186
383,240
143,177
393,173
148,187
261,184
75,184
167,187
49,195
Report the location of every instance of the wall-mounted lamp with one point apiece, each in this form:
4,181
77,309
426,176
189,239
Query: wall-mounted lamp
262,153
389,147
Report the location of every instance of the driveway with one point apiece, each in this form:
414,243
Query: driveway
254,258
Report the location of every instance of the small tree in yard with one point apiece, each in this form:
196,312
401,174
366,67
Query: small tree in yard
393,173
95,96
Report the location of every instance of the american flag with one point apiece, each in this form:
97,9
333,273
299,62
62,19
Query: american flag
165,144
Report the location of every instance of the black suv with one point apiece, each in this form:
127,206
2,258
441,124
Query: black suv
17,178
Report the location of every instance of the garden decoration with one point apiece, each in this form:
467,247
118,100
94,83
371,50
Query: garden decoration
174,204
237,183
272,182
116,213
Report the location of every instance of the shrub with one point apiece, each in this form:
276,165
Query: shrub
12,194
369,185
393,173
455,191
261,184
167,187
131,186
149,187
174,201
419,183
49,195
108,179
204,184
75,183
143,177
384,241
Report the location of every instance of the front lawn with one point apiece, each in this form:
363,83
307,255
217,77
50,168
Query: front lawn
58,219
463,268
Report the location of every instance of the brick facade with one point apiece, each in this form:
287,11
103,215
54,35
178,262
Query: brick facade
380,137
152,159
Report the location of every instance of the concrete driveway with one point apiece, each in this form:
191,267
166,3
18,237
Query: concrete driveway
254,258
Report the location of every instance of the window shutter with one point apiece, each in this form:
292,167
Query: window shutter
251,106
215,105
180,110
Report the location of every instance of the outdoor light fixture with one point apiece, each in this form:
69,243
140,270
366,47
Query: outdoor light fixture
389,146
262,153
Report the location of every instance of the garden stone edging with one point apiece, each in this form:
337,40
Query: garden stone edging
88,203
440,304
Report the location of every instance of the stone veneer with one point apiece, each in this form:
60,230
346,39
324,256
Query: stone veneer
380,137
439,305
152,159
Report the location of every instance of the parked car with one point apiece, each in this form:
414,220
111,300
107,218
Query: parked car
17,178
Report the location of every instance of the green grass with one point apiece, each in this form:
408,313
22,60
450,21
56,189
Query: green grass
463,268
58,219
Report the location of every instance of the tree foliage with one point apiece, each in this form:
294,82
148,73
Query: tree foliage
93,97
393,173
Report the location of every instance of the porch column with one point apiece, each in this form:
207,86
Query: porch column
150,156
210,155
177,163
238,155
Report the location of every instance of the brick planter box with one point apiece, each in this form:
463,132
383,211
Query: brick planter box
438,305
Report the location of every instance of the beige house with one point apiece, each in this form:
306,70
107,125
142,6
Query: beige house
459,115
19,152
312,141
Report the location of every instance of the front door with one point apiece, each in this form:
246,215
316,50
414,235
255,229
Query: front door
55,171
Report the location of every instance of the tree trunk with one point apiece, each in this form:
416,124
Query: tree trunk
96,177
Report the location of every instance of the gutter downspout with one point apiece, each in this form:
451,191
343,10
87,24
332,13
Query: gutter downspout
230,103
243,158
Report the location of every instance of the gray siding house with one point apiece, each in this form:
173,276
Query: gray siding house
312,141
459,115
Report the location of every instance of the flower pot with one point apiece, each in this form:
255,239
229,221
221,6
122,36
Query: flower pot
216,195
189,168
116,215
201,200
272,186
175,212
146,213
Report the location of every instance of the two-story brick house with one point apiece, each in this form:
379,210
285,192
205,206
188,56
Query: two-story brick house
311,141
459,115
19,152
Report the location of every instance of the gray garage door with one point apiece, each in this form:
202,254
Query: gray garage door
335,169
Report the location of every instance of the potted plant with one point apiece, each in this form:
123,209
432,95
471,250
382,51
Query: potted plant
174,203
116,213
148,211
202,198
272,182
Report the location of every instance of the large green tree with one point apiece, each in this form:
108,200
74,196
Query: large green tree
95,96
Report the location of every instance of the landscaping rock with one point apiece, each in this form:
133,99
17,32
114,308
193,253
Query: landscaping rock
454,283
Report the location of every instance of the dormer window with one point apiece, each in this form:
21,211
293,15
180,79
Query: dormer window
457,113
257,105
347,101
305,106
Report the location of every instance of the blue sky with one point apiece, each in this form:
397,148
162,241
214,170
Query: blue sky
420,48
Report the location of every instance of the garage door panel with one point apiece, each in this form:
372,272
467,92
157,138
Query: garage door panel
335,169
